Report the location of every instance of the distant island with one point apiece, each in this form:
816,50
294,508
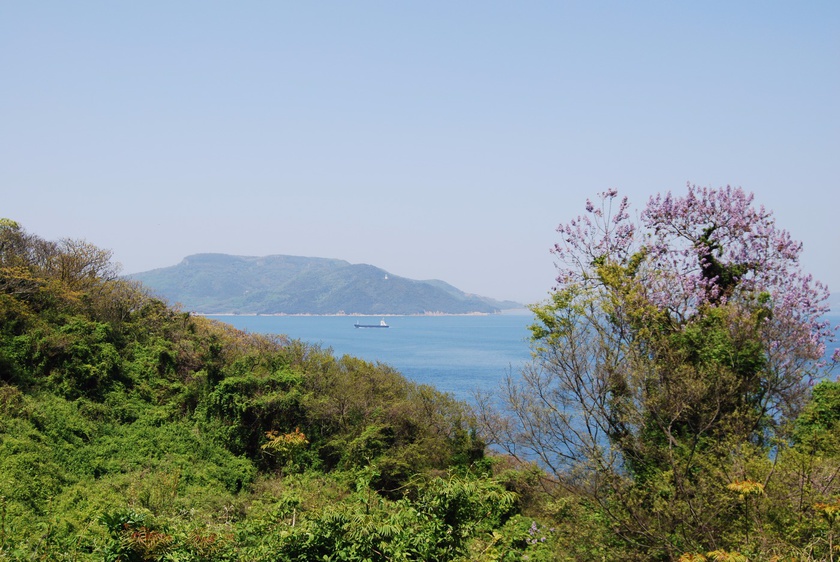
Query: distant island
279,284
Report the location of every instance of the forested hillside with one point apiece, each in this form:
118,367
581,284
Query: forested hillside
220,283
132,431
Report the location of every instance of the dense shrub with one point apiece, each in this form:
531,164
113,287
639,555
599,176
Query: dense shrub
130,430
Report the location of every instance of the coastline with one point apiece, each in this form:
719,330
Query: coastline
509,311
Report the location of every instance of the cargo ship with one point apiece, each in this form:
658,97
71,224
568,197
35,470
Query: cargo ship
381,324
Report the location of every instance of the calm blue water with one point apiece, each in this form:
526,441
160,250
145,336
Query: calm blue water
455,354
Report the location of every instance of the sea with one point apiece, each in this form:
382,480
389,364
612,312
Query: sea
455,354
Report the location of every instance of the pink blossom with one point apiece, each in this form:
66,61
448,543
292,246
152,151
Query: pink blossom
708,247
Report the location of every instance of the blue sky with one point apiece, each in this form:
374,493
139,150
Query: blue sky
433,139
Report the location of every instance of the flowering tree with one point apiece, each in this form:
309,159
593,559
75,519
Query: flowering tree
674,347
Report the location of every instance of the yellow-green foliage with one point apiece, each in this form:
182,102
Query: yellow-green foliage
130,430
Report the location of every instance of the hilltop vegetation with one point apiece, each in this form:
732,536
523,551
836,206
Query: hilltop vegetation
219,283
672,380
134,431
670,421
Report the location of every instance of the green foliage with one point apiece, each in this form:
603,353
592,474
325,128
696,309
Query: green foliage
247,405
132,431
668,397
671,410
819,424
286,448
79,358
437,523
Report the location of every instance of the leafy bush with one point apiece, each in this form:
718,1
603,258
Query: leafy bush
130,430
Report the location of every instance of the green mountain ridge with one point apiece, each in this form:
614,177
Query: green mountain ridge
282,284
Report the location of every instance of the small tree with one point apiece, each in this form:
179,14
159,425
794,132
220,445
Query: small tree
669,354
285,447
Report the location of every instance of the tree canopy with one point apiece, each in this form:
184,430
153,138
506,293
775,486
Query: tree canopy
668,415
674,352
132,431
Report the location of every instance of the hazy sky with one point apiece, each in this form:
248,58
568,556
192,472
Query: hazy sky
433,139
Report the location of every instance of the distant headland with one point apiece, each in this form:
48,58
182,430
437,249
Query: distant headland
295,285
